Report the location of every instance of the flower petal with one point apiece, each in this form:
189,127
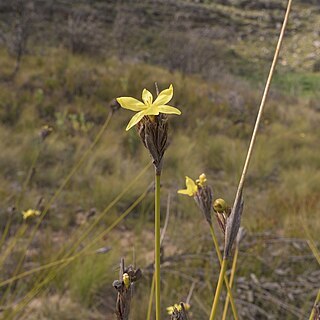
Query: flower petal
135,119
147,97
131,103
169,110
186,192
191,185
164,96
191,188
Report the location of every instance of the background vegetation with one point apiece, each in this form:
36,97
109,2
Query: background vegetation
62,64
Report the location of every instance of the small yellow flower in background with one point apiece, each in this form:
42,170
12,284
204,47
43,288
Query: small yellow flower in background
177,307
192,188
45,131
171,308
126,280
47,128
30,213
202,180
148,107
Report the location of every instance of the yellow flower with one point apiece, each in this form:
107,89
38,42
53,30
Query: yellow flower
148,107
126,280
202,180
192,188
30,213
177,307
171,308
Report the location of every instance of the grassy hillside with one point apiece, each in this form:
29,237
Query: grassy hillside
72,94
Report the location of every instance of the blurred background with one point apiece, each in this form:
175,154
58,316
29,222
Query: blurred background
62,63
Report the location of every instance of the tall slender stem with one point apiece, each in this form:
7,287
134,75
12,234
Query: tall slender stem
263,102
313,309
233,271
218,289
157,244
253,139
163,233
230,296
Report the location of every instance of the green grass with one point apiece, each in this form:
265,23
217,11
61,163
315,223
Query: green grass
302,84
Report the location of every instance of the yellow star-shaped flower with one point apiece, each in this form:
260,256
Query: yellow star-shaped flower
192,188
30,213
148,107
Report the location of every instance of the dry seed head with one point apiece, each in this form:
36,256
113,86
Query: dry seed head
233,225
241,234
222,221
128,276
203,198
154,136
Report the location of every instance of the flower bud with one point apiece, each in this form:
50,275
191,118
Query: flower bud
126,280
220,205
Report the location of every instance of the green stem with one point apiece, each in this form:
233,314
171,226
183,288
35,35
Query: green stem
157,245
228,287
313,309
233,271
218,289
150,300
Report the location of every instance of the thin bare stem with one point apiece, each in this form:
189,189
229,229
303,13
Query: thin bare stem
314,249
218,289
252,142
150,299
263,102
193,285
163,233
233,271
230,296
166,222
157,245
